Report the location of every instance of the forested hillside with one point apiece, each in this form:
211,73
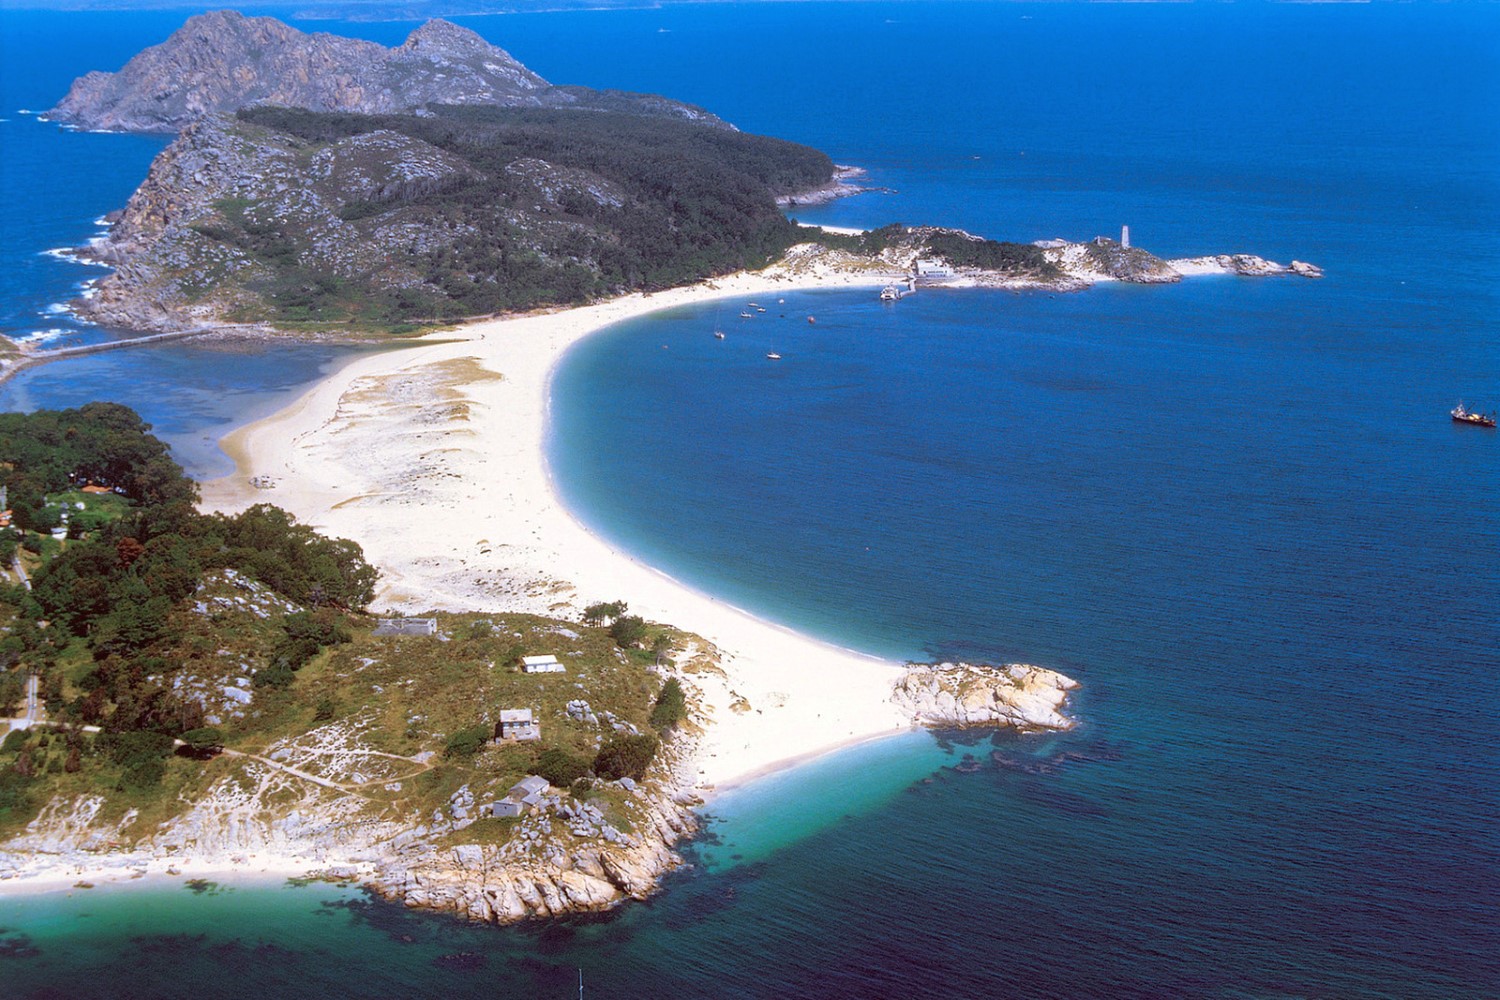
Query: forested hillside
119,561
298,218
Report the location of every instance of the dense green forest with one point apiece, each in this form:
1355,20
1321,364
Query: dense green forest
99,623
1018,259
602,203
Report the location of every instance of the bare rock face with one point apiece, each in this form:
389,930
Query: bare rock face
223,61
172,273
220,62
548,869
963,694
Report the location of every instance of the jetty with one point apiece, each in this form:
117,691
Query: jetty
28,357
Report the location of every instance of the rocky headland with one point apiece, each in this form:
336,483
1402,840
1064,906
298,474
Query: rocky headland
331,185
293,219
319,804
310,807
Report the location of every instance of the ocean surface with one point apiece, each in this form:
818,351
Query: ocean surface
1235,509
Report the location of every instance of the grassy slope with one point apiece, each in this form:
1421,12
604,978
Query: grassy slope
405,695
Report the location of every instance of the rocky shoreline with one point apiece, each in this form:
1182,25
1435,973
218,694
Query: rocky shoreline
565,858
843,184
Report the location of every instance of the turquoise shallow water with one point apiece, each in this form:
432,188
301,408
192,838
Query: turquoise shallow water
1234,509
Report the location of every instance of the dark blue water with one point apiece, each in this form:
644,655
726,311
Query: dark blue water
1235,509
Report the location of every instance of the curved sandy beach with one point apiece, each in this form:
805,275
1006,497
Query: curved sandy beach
432,458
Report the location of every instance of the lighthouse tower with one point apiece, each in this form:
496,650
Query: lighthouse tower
1125,237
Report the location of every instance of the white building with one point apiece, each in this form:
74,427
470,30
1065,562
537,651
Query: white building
933,269
542,665
517,724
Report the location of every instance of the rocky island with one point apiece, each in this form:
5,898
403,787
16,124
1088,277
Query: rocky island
222,61
332,185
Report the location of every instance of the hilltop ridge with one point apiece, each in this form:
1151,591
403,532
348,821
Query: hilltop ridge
222,61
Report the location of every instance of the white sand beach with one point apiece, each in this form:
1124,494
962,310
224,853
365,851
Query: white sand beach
432,459
47,874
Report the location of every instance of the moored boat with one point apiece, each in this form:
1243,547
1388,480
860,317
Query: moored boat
774,356
1463,415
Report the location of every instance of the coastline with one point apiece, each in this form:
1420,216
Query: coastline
433,459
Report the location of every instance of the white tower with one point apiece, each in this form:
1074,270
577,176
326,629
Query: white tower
1125,237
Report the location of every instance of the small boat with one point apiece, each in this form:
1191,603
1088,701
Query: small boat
1463,415
774,356
890,293
719,334
744,315
760,309
812,319
753,305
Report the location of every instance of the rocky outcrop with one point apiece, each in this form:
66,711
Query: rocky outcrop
1245,264
962,694
223,61
1059,265
565,859
1104,259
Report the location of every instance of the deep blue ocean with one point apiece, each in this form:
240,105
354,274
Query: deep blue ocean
1235,509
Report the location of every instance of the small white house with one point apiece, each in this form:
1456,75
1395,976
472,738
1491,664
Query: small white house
517,724
542,665
933,269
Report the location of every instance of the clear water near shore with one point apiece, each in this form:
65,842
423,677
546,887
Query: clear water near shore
1235,509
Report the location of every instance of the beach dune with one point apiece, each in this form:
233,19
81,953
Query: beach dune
432,459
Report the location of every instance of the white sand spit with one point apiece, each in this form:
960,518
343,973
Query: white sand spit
432,459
